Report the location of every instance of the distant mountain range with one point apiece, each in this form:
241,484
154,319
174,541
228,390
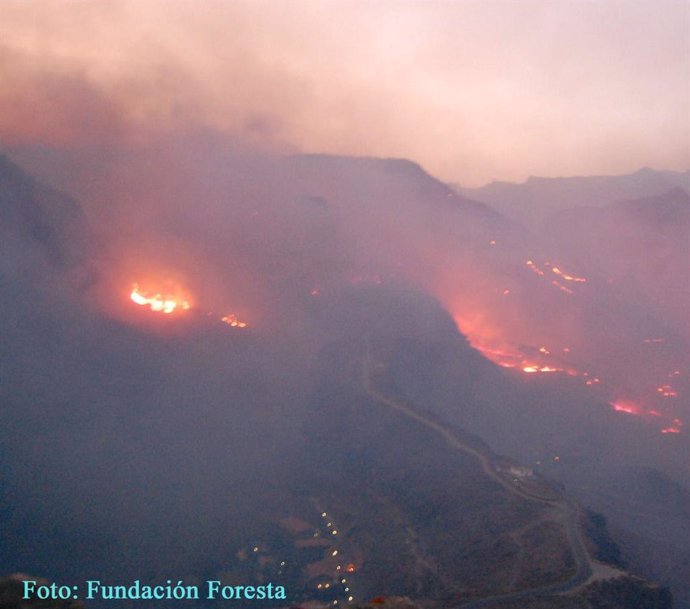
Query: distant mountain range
532,202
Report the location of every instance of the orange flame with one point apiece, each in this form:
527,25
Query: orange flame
158,302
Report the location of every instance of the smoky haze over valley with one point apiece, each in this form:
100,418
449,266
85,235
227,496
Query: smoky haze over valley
283,300
475,91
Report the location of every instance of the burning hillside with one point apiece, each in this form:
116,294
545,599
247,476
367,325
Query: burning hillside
178,302
652,403
315,223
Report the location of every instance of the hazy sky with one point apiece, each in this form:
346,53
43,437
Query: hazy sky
471,90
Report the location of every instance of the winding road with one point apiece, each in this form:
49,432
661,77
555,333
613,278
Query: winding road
565,507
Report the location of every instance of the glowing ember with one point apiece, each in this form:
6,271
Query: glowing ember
158,302
232,321
509,356
667,391
567,277
554,282
561,287
625,407
534,268
675,427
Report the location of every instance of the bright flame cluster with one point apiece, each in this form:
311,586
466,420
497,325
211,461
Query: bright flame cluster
513,358
168,303
531,369
158,302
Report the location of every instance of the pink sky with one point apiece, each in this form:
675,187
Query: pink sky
474,91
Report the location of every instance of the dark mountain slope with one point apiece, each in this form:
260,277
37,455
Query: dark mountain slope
38,222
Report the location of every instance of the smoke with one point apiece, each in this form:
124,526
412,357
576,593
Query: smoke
168,123
473,91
